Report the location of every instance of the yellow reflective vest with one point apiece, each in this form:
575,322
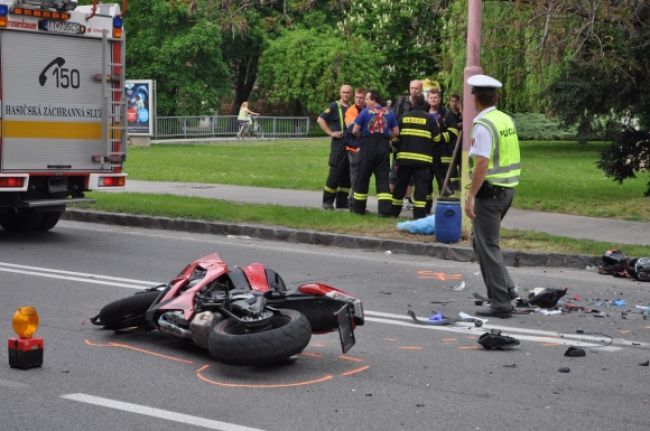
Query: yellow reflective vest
504,167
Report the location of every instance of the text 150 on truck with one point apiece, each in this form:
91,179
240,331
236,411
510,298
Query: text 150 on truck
63,110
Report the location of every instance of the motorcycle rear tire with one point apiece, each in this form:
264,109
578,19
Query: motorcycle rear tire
289,334
127,312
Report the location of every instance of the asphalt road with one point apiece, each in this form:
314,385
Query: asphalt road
398,376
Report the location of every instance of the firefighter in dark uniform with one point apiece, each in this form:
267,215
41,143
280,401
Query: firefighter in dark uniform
351,141
375,126
444,145
337,185
414,157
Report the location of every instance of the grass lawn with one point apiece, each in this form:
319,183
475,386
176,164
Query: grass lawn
557,176
328,221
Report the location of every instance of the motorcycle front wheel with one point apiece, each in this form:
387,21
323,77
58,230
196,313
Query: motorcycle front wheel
126,312
288,333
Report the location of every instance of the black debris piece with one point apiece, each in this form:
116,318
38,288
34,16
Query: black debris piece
564,370
547,298
494,340
575,352
645,364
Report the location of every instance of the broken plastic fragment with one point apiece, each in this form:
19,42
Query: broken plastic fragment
460,287
548,312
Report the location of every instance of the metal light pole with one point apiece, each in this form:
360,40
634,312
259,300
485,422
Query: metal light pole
469,110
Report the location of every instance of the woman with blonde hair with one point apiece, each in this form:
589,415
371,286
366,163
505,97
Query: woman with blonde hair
244,119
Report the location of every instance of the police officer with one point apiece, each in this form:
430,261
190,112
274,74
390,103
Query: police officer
494,169
414,157
337,185
375,126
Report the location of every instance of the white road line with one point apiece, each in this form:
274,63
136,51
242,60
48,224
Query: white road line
12,384
83,280
157,413
479,331
536,332
72,273
536,335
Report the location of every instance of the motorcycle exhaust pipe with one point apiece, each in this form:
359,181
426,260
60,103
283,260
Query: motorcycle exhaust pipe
170,328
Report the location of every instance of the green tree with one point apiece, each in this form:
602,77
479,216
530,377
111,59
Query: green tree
305,69
181,51
519,46
405,32
248,26
606,82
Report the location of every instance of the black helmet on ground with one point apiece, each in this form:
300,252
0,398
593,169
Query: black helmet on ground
613,262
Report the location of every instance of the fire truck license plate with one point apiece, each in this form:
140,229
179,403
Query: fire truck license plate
63,27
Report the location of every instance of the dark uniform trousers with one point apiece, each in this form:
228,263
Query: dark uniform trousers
490,210
337,186
442,152
374,153
421,175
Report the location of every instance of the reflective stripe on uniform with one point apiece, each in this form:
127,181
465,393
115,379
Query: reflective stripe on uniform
360,196
383,196
341,124
416,132
403,155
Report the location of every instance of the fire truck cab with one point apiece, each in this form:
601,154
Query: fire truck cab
62,107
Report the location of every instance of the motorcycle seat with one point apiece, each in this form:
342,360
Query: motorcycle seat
239,279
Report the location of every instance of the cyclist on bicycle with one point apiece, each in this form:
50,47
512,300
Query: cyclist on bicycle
244,119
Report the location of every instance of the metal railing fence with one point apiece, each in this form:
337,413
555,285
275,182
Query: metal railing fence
263,127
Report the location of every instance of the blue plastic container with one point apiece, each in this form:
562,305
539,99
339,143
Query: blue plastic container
448,220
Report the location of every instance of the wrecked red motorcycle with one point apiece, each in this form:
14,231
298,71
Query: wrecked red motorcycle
243,316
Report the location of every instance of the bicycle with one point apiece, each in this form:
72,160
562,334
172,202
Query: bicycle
256,129
253,130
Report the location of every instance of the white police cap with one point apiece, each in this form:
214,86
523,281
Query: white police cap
483,81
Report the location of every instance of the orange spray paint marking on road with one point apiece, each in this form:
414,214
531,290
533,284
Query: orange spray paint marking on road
260,386
446,340
311,354
440,276
390,339
350,358
137,349
410,347
468,347
357,371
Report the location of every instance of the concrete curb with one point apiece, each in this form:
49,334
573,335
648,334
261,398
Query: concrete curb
278,233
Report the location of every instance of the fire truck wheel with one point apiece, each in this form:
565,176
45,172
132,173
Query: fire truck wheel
50,219
21,221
